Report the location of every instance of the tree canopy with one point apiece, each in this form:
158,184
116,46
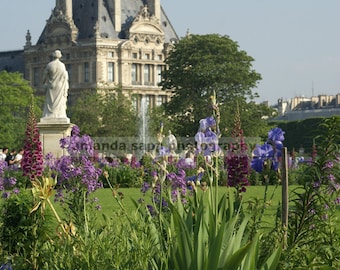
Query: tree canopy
16,95
200,65
86,112
104,114
119,112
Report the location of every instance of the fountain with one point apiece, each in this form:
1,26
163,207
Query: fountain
143,125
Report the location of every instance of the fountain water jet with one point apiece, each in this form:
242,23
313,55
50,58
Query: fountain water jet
144,125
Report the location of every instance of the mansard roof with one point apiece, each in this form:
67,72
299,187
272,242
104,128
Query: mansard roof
12,61
95,17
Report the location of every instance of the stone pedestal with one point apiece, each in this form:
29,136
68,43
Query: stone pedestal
51,131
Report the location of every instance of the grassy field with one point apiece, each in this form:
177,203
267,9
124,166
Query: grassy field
109,204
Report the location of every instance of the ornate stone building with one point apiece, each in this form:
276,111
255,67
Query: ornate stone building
105,44
299,108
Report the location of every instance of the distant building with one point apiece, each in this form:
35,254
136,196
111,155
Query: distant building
104,44
299,108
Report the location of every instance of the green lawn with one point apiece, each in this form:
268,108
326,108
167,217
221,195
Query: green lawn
109,204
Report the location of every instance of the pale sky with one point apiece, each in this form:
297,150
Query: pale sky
295,43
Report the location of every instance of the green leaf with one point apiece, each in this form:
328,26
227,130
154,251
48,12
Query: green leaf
250,260
272,262
235,260
181,241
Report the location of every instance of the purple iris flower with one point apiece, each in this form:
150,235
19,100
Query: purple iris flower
203,124
276,134
199,137
264,151
210,137
178,180
275,164
271,151
210,121
206,139
257,164
206,123
261,153
192,178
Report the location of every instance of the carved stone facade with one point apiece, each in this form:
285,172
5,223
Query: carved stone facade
105,44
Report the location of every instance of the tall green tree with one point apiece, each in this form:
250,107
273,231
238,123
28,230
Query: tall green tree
254,117
87,112
119,117
105,114
199,65
16,95
158,117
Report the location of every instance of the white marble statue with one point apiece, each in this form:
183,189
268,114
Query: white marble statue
171,142
55,81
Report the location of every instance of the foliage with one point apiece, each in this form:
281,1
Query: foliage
101,114
203,232
12,174
123,174
15,98
205,239
300,134
118,109
313,237
181,222
87,111
21,233
127,246
252,115
199,65
76,174
158,115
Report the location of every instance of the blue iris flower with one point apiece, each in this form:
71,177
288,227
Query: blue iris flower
261,154
276,134
210,121
269,151
194,178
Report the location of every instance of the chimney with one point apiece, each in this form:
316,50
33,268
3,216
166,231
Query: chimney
66,7
118,15
155,8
